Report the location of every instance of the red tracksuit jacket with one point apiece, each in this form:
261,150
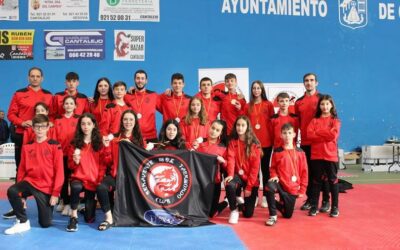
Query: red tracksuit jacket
82,104
42,166
323,133
277,121
22,105
91,168
173,106
217,150
65,130
260,113
237,161
305,108
29,135
212,106
112,118
190,132
144,103
98,109
229,112
288,163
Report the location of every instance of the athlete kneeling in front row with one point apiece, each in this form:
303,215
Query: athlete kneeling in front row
289,176
40,174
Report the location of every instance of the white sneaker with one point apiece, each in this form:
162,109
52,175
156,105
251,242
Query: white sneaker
271,221
239,200
18,227
60,207
66,210
264,202
234,217
256,204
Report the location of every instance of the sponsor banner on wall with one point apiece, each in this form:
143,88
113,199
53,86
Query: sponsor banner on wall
129,45
74,44
9,10
132,10
163,188
16,44
58,10
217,76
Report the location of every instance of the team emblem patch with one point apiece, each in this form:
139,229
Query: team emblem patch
164,180
353,13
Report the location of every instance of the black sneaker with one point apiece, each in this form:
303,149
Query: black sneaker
334,212
313,211
9,215
306,206
72,225
326,207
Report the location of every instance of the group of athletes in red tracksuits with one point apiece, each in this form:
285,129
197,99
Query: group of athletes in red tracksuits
68,143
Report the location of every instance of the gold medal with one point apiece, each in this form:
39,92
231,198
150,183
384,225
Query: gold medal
139,115
241,172
294,178
258,126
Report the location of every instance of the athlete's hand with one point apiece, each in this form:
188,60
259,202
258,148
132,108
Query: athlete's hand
247,193
220,159
90,99
195,145
274,179
228,179
26,124
106,141
53,200
76,158
168,92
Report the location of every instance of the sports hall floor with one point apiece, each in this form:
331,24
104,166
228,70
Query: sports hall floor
369,219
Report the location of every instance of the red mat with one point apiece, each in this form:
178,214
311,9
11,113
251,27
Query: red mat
369,218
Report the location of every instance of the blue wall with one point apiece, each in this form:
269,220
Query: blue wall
356,66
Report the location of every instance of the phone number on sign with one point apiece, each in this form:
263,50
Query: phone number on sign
115,17
84,55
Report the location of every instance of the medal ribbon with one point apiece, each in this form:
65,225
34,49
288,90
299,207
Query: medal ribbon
139,105
293,161
179,107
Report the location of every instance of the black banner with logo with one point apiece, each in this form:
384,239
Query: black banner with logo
163,188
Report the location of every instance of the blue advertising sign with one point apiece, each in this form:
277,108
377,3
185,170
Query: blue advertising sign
74,44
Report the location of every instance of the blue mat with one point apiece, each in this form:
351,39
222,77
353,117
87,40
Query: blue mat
88,237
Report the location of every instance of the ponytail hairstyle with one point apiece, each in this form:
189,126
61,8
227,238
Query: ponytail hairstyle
223,139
